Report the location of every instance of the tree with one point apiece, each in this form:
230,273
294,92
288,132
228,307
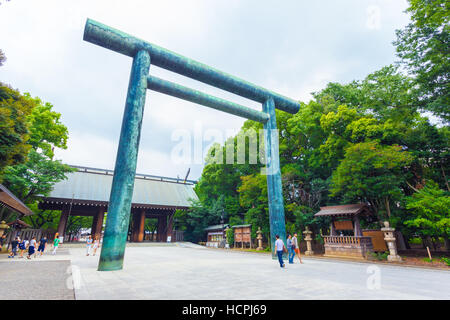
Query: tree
373,173
14,126
429,212
37,172
35,177
40,172
46,130
423,45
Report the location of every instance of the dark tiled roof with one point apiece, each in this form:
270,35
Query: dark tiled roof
89,186
19,223
216,227
346,209
242,226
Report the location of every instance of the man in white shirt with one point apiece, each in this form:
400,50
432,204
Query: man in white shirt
279,247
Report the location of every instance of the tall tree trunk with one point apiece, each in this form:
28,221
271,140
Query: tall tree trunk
388,208
424,242
447,244
445,178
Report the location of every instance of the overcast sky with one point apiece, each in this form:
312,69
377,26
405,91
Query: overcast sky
290,47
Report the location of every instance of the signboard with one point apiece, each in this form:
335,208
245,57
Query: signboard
343,225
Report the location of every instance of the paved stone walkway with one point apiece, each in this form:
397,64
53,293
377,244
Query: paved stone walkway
187,271
191,273
35,280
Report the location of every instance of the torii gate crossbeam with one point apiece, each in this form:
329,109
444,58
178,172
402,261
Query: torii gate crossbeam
144,54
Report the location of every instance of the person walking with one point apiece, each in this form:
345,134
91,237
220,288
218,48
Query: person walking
14,245
31,248
56,243
22,246
96,244
280,248
88,245
290,249
41,248
296,248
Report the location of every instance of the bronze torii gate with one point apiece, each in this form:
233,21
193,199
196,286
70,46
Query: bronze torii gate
144,54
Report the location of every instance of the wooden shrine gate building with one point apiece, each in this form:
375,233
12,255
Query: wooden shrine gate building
86,192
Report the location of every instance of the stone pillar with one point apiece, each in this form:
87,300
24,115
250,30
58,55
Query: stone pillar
63,222
389,237
308,239
170,227
259,238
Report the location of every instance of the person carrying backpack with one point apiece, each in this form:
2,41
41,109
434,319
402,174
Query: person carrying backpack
42,244
23,246
14,244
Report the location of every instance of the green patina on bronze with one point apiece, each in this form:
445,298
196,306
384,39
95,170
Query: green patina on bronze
116,230
273,173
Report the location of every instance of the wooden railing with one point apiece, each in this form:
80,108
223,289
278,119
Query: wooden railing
347,240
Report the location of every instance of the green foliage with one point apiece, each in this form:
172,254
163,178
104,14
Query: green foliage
45,219
35,177
371,172
365,141
423,47
76,223
14,127
381,256
30,130
429,211
230,236
46,130
445,260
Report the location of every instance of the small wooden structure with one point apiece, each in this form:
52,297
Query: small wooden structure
215,235
379,245
243,235
346,218
10,201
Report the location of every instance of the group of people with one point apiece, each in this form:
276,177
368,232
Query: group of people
292,249
92,243
32,247
20,246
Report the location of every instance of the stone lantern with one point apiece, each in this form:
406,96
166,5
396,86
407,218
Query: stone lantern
389,237
259,238
3,227
308,239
